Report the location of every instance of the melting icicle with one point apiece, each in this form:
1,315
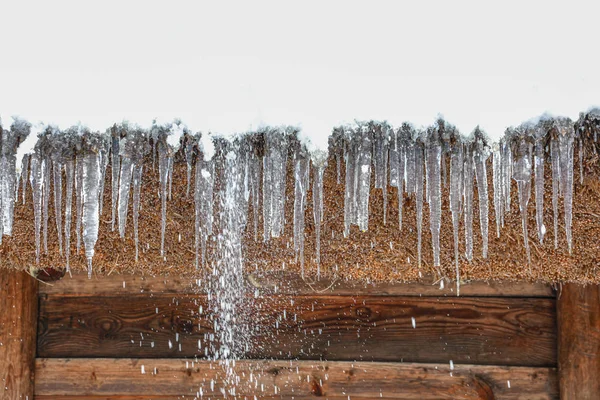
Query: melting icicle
301,179
363,179
78,198
433,156
137,188
507,174
319,160
468,199
456,182
104,159
274,177
480,156
380,162
522,175
57,171
124,185
45,200
24,176
189,157
37,182
538,157
498,181
418,180
566,137
69,175
203,197
254,165
90,185
350,150
555,156
115,172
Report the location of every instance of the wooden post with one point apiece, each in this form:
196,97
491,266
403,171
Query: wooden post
18,329
579,341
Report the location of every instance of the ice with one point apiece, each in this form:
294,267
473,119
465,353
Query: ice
45,200
138,169
498,182
124,185
78,198
418,167
69,177
380,161
481,153
57,175
254,170
188,150
522,175
507,173
350,157
319,161
37,182
274,177
363,177
538,157
433,156
203,198
25,176
566,137
115,172
90,185
104,160
301,182
456,195
555,159
468,172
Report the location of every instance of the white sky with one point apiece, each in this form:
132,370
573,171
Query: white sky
229,66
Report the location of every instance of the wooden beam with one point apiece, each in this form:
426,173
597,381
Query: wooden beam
18,321
499,331
290,379
287,283
579,341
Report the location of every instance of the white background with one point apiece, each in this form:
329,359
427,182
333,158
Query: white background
229,66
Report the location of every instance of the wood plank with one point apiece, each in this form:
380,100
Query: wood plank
498,331
18,316
288,379
292,284
579,341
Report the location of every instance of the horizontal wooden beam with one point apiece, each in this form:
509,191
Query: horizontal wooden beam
288,283
498,331
110,378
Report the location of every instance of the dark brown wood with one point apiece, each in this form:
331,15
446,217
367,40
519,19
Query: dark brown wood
284,379
499,331
579,341
18,315
286,283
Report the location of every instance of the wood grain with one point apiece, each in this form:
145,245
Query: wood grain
496,331
579,341
290,379
18,315
288,283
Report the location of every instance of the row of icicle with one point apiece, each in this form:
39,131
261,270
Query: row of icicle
415,161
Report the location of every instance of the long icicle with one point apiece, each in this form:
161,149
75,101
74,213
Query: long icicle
433,156
319,160
456,182
301,181
480,156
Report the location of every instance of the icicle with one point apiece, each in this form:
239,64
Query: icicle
498,181
115,172
480,156
45,200
350,150
555,156
57,171
363,180
433,157
90,184
124,185
24,176
69,175
203,198
137,188
456,182
418,180
104,156
468,199
401,168
522,175
380,162
274,177
565,141
170,177
189,157
78,198
301,179
394,156
339,154
255,164
319,160
507,174
581,160
37,182
538,156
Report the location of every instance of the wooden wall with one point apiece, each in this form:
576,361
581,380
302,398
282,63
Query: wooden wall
129,337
